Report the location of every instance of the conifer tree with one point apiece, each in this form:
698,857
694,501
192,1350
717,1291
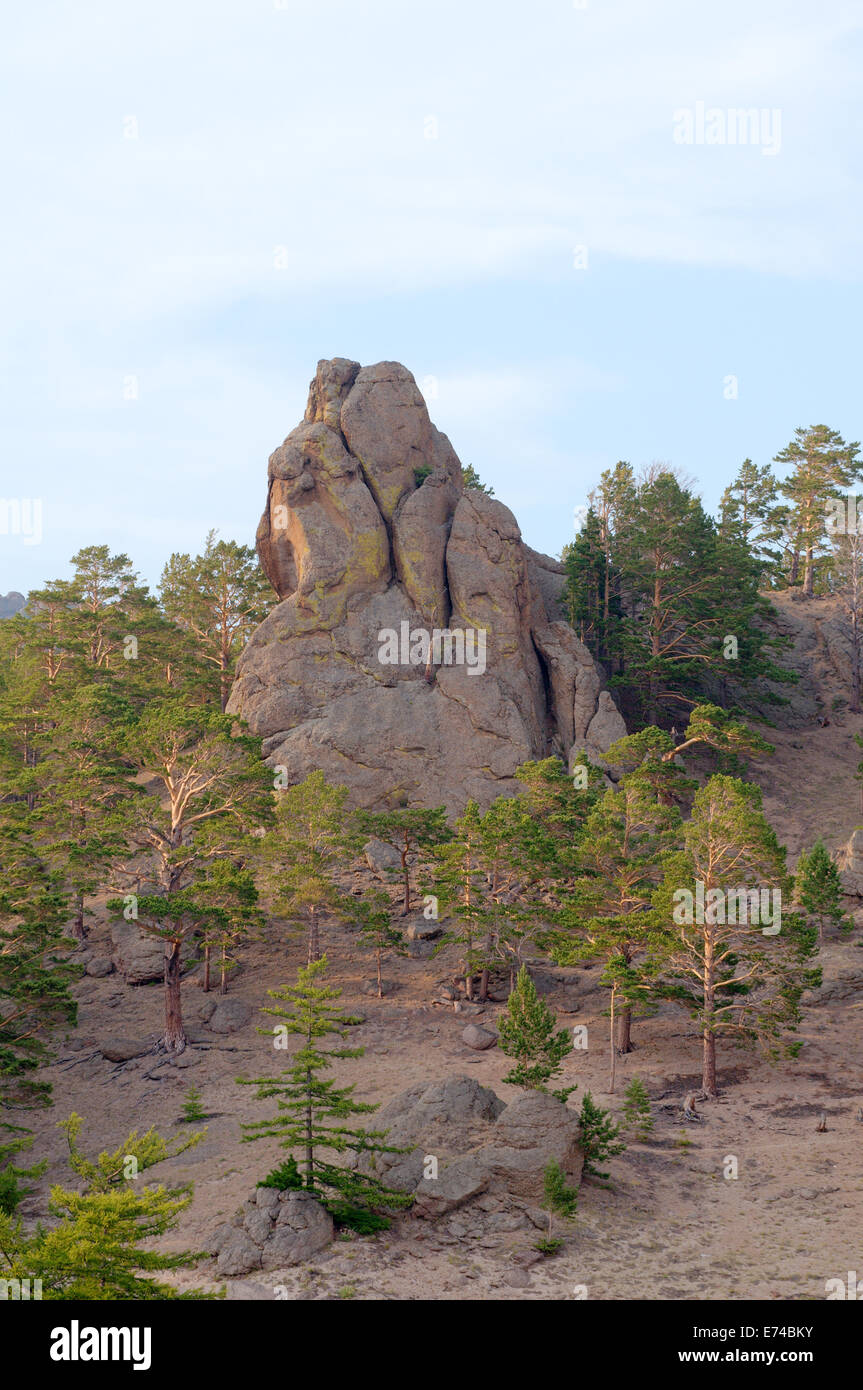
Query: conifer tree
414,832
737,976
373,917
636,1109
96,1251
461,884
219,598
528,1032
608,916
822,464
312,839
311,1108
599,1136
818,889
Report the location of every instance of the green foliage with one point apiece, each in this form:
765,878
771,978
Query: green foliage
311,1109
527,1033
306,850
636,1110
12,1193
471,479
558,1196
286,1177
818,889
421,473
193,1111
95,1251
599,1136
218,598
412,830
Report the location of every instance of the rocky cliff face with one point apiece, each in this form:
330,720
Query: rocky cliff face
11,603
418,653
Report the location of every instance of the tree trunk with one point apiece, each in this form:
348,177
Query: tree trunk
380,980
808,568
483,985
406,906
223,971
206,969
314,936
468,987
79,931
612,1049
708,1069
624,1032
175,1038
310,1152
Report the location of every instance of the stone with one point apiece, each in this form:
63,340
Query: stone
139,955
371,987
124,1049
258,1224
384,860
478,1038
238,1254
267,1198
457,1183
99,967
303,1228
367,531
229,1015
214,1242
849,861
418,929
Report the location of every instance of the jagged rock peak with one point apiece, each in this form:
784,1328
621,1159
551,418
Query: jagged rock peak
419,652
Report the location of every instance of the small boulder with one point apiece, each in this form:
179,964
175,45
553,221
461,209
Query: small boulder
382,859
123,1049
99,967
478,1038
238,1254
229,1015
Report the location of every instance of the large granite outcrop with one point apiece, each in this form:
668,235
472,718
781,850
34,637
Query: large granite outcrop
372,543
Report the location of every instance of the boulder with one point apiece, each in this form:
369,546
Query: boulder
139,955
478,1038
124,1049
99,967
383,859
372,544
229,1015
238,1253
849,861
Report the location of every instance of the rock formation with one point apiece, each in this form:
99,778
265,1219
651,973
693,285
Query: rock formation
419,652
11,603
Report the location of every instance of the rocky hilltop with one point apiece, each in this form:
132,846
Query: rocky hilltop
419,652
11,603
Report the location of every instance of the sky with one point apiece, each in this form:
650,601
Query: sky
550,213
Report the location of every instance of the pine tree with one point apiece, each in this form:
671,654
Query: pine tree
312,839
214,791
377,933
218,597
818,889
471,479
414,832
461,884
607,917
822,463
636,1109
750,508
311,1109
599,1136
527,1033
95,1250
733,978
559,1199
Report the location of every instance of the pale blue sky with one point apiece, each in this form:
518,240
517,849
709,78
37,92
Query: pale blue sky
209,195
